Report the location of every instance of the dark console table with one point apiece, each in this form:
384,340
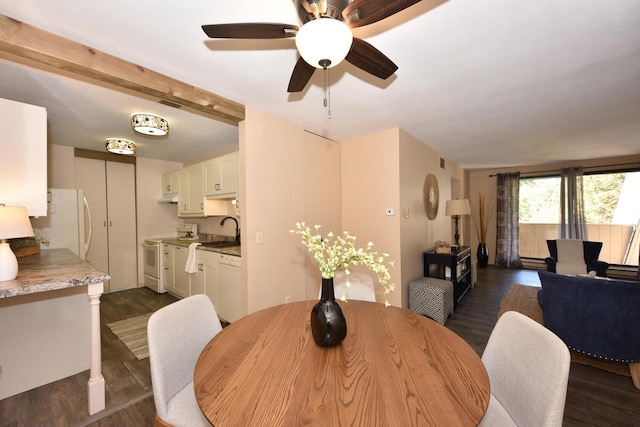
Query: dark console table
459,261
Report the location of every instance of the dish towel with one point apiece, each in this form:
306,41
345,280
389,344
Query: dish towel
191,266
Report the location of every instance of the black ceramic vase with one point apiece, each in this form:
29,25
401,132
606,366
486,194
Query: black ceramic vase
328,325
483,255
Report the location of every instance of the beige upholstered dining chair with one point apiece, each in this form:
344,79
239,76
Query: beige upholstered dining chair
528,367
177,334
361,286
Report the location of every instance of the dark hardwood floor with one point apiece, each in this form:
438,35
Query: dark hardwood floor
594,397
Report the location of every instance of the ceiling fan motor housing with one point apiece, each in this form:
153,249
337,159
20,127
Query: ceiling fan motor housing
333,10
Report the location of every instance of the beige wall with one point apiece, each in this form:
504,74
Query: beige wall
387,170
370,185
286,174
417,232
481,182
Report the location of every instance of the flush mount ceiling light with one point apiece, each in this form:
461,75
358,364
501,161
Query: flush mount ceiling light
324,43
149,124
121,146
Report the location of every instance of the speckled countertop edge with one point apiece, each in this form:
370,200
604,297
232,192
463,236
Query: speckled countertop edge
50,270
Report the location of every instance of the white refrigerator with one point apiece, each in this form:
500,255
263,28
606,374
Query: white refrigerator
67,224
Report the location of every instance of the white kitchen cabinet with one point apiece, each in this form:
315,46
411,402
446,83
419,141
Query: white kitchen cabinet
190,195
221,176
229,288
170,183
23,164
167,261
207,275
111,194
181,279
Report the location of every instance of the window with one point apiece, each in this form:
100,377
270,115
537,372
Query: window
612,210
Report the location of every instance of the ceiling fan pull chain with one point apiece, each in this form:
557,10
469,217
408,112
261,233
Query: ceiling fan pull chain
327,91
329,94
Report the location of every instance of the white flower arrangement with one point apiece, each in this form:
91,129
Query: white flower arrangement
333,253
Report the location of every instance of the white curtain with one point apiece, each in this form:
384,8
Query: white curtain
572,220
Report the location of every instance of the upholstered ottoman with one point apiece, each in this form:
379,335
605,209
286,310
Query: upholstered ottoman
431,297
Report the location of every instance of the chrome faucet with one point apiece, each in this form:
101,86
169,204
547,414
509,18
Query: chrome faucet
237,227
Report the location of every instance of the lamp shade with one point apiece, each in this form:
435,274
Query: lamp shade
457,207
14,222
324,39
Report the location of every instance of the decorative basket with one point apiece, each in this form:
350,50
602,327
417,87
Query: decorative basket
24,247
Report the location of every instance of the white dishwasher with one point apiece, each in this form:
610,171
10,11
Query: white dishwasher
229,305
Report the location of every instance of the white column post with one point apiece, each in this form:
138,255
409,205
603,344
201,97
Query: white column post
95,386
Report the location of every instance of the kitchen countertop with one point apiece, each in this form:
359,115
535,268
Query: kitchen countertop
50,270
228,250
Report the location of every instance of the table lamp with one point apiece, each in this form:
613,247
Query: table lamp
456,208
14,223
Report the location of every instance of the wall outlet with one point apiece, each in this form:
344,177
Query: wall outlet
287,299
389,212
259,238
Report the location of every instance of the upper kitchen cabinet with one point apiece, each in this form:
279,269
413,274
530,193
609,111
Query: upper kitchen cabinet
190,196
221,176
23,164
170,183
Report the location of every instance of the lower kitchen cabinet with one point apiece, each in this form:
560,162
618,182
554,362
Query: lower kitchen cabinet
167,262
207,275
181,279
230,288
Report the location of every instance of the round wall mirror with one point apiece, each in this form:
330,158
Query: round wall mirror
431,196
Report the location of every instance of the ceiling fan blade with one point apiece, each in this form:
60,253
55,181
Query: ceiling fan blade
370,11
370,59
258,30
301,75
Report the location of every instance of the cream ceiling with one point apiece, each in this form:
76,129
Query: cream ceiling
484,82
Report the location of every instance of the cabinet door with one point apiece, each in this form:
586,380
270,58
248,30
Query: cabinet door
121,214
183,193
209,262
180,277
211,171
167,274
196,195
23,164
110,191
170,183
228,174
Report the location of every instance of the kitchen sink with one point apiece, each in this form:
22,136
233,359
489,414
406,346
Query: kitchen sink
219,244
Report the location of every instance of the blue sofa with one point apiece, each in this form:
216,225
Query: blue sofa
598,319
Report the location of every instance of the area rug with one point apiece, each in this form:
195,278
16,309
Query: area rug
133,333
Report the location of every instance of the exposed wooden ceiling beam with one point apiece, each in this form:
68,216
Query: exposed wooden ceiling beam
85,63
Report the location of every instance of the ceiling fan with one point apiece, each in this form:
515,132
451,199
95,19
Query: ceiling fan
325,37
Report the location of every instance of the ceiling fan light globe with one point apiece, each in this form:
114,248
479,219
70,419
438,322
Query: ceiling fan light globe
324,39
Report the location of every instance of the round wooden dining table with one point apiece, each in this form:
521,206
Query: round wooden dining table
394,368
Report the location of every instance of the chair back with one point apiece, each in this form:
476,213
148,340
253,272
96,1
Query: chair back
177,334
528,367
360,288
591,250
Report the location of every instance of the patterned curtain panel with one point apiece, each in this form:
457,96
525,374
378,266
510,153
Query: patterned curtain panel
508,195
572,220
